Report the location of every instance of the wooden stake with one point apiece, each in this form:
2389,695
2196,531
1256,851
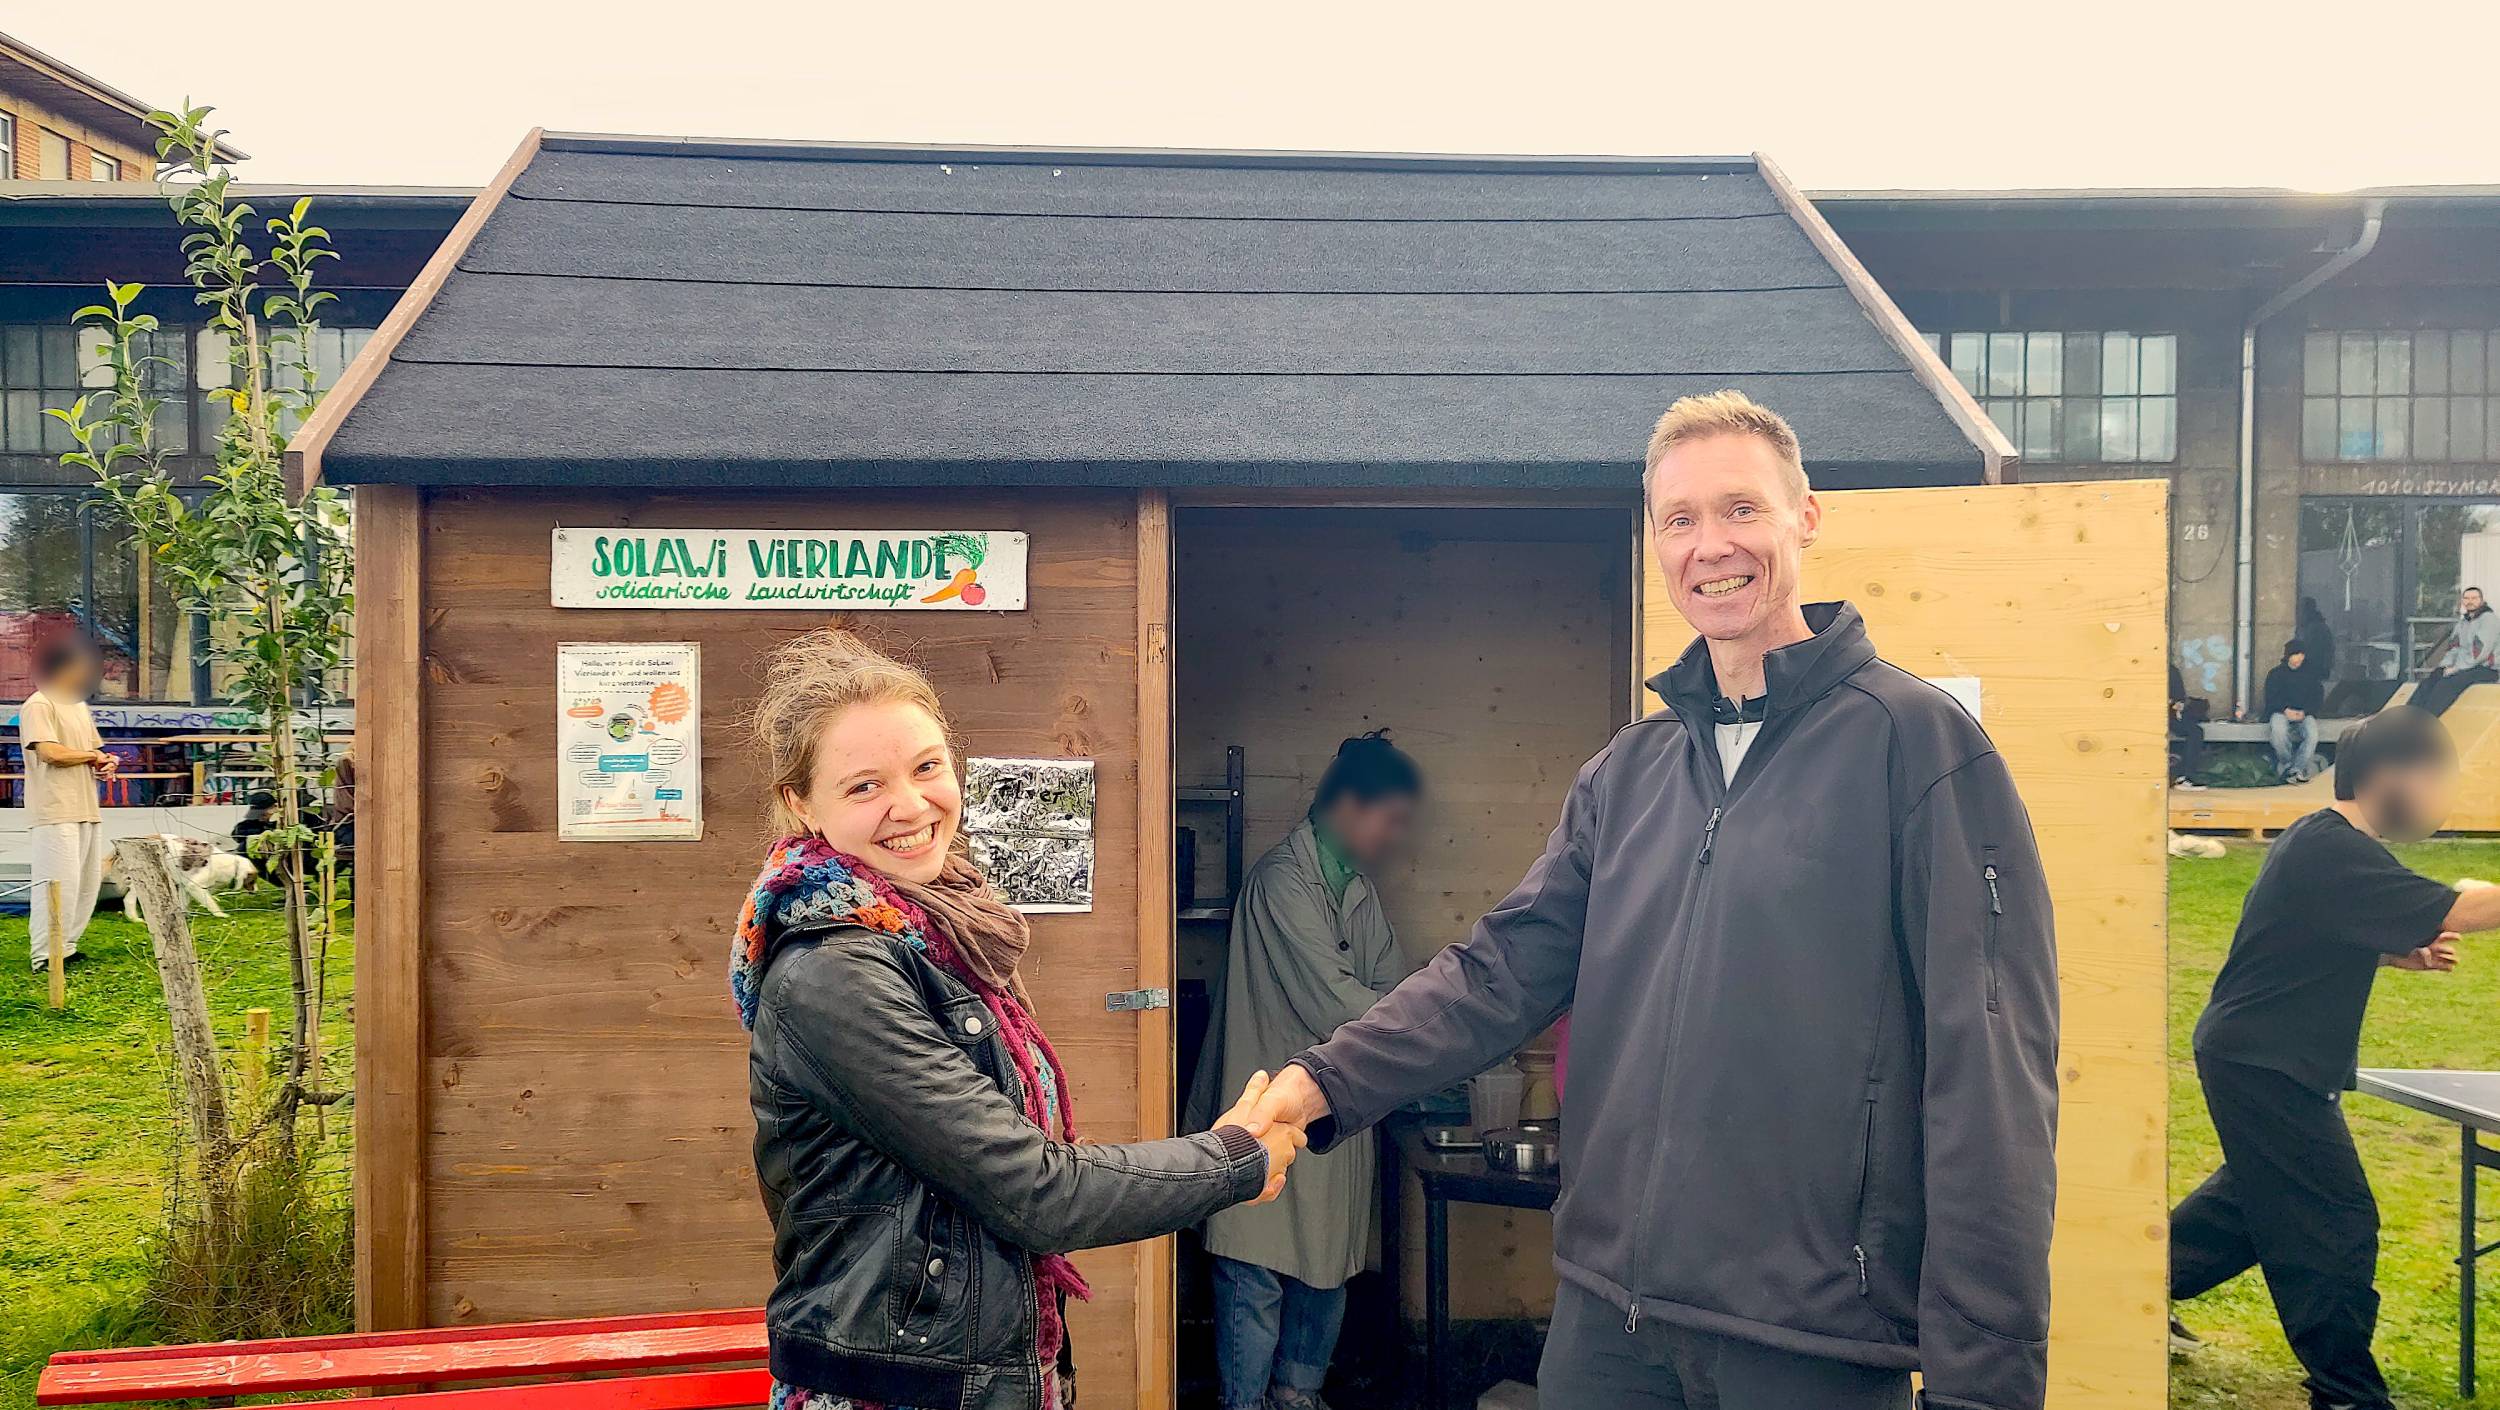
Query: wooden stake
60,955
144,657
255,1056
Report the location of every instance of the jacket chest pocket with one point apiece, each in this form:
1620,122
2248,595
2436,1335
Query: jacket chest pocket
970,1026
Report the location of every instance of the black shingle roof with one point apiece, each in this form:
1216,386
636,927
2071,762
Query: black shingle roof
663,313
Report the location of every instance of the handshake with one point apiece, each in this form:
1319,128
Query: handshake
1278,1112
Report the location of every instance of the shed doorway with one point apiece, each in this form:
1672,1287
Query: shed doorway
1496,647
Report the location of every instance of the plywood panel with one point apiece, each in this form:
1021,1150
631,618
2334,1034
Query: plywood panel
586,1144
1490,642
2053,596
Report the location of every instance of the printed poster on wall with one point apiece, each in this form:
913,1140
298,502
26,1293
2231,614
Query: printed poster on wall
629,741
1030,824
854,570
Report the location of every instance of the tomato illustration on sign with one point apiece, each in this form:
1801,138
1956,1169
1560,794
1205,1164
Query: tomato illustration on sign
966,584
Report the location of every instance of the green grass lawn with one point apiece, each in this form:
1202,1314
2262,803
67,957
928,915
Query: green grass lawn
2416,1020
86,1118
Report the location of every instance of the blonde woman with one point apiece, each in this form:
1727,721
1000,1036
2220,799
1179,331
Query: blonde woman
914,1140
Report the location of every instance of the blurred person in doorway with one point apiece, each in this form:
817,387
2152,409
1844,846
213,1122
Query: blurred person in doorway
2294,696
1312,950
65,760
2472,657
2279,1044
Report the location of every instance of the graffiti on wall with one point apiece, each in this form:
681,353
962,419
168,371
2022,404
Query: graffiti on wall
2205,663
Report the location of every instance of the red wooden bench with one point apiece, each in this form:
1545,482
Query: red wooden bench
446,1356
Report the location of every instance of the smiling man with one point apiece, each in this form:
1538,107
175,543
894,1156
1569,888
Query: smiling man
1799,923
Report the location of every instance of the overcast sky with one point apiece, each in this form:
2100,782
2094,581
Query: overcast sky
1870,93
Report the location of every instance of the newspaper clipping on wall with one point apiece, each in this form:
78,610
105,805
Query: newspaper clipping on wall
1030,823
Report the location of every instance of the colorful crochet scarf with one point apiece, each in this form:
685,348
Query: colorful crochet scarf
805,882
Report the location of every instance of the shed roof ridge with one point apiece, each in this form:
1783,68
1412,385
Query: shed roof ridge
1330,293
1221,158
968,214
1682,374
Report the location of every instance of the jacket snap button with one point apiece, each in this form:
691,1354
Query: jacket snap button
1345,944
972,1025
937,1267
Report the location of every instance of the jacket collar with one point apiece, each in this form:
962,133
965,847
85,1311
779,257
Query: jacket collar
1794,676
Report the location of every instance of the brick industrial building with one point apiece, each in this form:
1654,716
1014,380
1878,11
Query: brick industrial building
57,124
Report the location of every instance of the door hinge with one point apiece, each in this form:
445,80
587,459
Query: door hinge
1132,1000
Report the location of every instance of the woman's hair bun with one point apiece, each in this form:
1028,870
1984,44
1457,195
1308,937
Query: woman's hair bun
1371,768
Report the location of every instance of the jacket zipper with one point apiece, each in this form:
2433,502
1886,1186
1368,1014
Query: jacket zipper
1996,918
1866,1175
1675,1029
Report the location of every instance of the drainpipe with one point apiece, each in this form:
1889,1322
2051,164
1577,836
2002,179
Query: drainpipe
2372,213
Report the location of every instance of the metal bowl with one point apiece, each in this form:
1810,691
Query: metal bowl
1529,1148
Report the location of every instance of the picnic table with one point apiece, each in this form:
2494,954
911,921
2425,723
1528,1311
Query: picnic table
449,1356
2472,1101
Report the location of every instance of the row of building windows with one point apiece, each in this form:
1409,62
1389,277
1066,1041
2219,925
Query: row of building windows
2102,398
44,366
2424,395
52,153
68,561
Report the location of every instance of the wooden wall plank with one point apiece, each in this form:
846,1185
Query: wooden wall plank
390,911
2053,595
587,1147
1157,1293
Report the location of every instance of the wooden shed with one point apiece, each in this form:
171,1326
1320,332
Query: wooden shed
1263,449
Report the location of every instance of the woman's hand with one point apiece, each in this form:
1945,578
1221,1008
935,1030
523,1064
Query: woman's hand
1281,1140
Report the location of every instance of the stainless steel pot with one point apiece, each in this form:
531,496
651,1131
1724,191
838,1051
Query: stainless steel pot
1529,1148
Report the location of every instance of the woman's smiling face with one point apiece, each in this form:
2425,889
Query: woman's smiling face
884,790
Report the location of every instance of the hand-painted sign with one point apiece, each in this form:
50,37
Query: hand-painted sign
869,570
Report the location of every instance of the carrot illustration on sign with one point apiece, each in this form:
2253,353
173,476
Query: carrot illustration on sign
966,583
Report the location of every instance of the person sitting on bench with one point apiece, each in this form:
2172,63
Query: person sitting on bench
2294,695
2472,657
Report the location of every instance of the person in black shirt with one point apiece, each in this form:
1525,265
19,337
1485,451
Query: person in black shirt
2278,1044
2294,696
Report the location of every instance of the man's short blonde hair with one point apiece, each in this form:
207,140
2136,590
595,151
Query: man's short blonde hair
1727,412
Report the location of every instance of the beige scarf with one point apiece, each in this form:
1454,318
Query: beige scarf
988,933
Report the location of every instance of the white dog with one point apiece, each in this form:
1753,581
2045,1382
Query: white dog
205,869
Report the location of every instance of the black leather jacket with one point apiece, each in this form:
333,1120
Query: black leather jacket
908,1192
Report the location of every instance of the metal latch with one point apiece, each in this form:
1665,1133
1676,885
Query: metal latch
1136,999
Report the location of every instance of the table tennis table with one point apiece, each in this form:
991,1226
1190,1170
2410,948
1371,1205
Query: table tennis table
2472,1101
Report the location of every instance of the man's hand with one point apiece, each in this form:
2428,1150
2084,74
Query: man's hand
2439,956
104,764
1293,1099
1282,1140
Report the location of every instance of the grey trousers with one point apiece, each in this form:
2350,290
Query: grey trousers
1592,1363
